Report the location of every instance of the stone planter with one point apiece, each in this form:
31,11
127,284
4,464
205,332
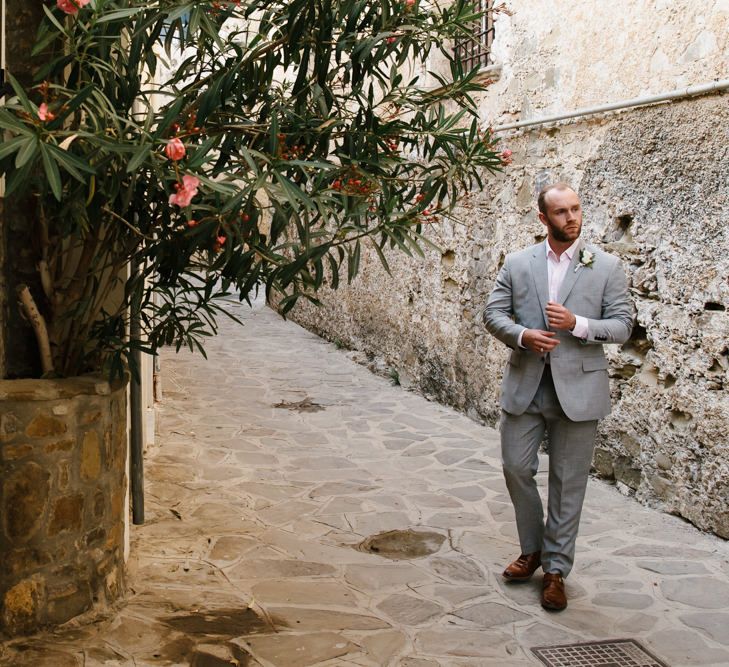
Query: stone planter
63,447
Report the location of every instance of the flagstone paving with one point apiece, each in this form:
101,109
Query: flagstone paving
276,460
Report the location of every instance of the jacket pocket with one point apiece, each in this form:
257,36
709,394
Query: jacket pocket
594,364
515,358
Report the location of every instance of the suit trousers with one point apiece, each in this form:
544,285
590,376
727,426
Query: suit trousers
570,447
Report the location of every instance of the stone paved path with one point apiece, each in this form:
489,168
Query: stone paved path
279,455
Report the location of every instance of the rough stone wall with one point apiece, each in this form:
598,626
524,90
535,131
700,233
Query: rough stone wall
62,486
561,55
654,182
668,217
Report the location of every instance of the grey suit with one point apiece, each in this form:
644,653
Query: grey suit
566,399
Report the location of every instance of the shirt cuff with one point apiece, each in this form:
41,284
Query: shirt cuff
518,340
581,328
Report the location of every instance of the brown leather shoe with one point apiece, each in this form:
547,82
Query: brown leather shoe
523,567
554,597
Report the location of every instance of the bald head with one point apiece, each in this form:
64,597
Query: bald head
542,198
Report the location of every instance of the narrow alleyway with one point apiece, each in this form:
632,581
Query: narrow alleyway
277,457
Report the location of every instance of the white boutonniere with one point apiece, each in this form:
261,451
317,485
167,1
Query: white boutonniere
586,259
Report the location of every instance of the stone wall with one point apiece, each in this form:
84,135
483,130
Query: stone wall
62,488
559,55
654,182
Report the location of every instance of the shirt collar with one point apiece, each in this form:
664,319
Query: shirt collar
569,252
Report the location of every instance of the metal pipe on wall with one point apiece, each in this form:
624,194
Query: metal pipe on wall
681,93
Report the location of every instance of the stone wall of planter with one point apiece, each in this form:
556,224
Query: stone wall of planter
63,447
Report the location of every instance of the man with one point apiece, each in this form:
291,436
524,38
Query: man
555,304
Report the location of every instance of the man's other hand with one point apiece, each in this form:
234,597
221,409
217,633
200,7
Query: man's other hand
539,341
559,317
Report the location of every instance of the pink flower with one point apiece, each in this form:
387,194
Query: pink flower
175,149
220,240
71,6
409,3
506,156
186,191
391,40
44,114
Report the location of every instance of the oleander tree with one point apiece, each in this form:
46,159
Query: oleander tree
182,152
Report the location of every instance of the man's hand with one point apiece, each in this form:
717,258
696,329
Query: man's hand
559,317
539,341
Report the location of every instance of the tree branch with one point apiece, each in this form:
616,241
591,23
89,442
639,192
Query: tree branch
37,321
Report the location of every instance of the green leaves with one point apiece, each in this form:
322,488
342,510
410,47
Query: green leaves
12,146
21,95
51,170
27,151
141,155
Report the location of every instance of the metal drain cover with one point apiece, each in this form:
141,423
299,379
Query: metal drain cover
611,653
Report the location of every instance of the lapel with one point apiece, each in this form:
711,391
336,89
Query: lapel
572,276
538,266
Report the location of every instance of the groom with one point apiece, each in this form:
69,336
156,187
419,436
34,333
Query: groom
555,304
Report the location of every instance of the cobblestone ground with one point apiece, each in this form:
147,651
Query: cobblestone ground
280,455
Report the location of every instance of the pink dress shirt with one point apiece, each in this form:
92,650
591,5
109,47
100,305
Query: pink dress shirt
556,272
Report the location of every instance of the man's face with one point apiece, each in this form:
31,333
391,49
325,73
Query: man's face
564,215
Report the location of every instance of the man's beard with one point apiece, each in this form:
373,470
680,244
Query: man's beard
560,234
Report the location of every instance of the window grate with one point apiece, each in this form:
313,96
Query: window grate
612,653
474,50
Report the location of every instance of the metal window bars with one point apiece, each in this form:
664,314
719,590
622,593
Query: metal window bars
474,50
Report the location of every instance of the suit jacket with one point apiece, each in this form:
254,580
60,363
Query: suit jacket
598,292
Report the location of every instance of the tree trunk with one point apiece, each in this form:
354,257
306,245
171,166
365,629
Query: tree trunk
18,260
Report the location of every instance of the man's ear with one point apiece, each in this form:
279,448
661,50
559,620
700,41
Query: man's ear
542,218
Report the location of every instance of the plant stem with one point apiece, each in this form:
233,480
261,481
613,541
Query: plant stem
37,321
